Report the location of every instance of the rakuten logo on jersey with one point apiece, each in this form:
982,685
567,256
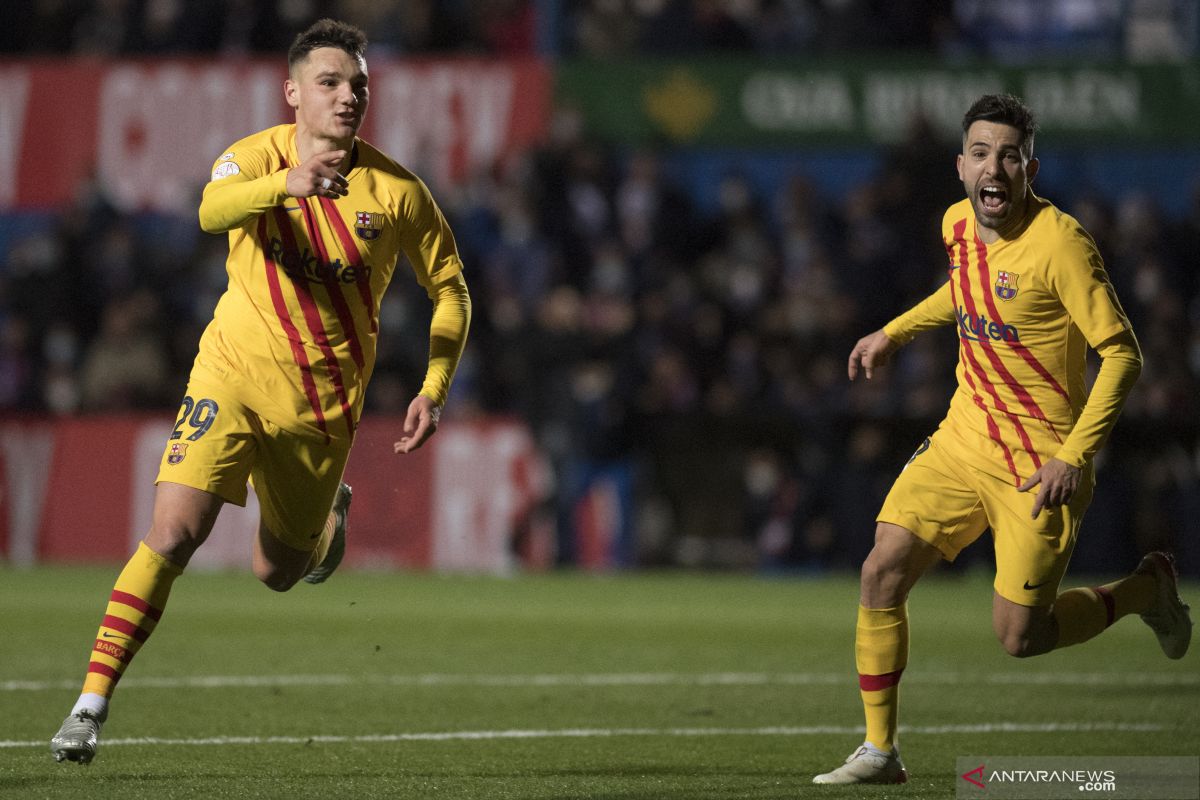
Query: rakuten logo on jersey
980,328
307,267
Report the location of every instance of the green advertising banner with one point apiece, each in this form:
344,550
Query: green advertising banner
783,103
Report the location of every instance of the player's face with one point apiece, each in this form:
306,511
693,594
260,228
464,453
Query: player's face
996,175
329,92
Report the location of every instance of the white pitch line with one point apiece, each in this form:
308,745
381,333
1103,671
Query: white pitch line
597,733
625,679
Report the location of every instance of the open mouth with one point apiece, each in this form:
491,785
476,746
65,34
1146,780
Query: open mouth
993,198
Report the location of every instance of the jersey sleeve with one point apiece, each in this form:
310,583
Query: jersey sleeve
932,312
1120,366
427,241
245,182
426,238
1078,277
447,335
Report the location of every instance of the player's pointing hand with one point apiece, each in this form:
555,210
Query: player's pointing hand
318,175
872,351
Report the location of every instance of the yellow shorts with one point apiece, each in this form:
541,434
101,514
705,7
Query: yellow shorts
218,445
948,503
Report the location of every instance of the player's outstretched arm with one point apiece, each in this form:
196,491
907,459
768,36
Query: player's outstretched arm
872,351
447,337
876,349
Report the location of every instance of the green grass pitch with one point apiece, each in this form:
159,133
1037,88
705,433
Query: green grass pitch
639,686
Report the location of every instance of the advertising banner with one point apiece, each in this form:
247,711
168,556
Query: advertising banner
150,130
82,490
864,102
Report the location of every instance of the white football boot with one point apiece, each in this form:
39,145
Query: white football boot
1168,617
868,764
77,737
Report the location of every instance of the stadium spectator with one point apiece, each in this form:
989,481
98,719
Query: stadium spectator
17,372
126,365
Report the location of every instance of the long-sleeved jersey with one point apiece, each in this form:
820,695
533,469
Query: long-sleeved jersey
294,335
1026,309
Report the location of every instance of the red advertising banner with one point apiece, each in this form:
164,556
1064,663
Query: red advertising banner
82,490
151,129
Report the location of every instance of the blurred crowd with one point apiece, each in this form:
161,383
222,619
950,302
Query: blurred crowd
688,354
1012,30
695,360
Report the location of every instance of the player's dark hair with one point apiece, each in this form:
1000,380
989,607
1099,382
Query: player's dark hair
1008,110
327,33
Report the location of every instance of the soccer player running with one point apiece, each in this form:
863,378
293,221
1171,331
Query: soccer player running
316,219
1029,293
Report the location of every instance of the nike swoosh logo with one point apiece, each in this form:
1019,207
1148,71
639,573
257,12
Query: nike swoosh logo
108,635
1029,588
291,208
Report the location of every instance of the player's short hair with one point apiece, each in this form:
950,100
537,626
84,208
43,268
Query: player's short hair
1008,110
327,33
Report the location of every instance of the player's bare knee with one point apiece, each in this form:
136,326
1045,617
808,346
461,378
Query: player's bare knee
873,575
174,541
884,581
1025,641
274,578
1018,645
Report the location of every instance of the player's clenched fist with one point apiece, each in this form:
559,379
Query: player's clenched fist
319,175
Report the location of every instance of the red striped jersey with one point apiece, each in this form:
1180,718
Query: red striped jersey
1025,309
294,335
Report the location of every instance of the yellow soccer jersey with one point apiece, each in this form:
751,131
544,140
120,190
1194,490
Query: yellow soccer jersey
1026,309
294,335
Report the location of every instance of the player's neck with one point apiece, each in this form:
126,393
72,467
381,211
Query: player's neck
1011,229
308,146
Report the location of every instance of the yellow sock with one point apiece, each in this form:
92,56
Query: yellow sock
134,608
1084,613
881,654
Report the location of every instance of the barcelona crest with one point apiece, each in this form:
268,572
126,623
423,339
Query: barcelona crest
176,452
367,225
1006,284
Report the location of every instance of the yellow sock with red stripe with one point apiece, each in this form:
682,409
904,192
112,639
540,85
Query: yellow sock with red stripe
881,654
134,608
1084,613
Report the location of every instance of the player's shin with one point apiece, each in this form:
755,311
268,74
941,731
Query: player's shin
881,654
133,610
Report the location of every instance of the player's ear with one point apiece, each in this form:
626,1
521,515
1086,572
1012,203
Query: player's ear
958,162
291,93
1031,169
